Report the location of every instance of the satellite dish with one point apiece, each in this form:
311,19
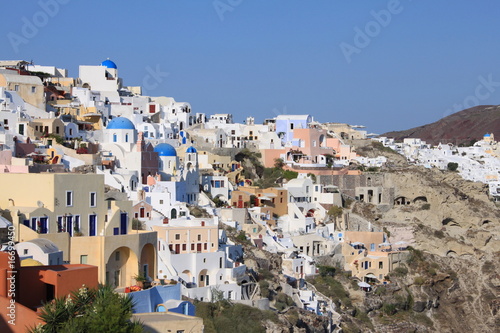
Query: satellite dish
39,204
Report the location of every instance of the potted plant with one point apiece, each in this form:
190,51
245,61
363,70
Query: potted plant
140,279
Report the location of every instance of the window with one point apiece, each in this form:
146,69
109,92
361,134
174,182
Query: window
33,89
25,251
93,197
69,198
372,247
83,259
380,265
192,247
117,255
177,236
161,202
199,237
16,87
57,129
183,247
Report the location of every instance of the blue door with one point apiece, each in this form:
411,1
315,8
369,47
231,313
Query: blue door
92,225
26,223
43,225
123,223
33,223
69,225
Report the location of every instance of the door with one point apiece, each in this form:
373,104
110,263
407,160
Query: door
69,225
141,212
177,248
43,225
92,225
123,223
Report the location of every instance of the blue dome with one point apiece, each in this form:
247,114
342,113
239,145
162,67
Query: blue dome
120,123
109,64
164,149
191,150
487,135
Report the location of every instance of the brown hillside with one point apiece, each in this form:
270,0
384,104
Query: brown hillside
461,127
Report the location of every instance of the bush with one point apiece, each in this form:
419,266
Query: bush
264,289
389,309
399,271
418,280
137,225
288,174
452,166
326,270
426,206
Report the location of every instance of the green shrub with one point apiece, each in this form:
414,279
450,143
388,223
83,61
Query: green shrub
426,206
418,280
399,271
389,309
452,166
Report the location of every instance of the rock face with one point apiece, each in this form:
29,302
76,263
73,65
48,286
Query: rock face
460,127
455,281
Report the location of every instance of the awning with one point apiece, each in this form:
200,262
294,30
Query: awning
385,244
370,276
363,285
357,243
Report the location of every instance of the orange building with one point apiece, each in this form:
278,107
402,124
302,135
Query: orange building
28,288
273,198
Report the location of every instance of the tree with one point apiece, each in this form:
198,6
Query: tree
89,310
335,212
279,163
452,166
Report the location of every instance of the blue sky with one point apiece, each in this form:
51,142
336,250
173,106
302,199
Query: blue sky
425,60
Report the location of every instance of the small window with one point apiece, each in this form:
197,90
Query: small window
25,251
16,87
199,237
69,198
161,202
33,89
177,236
183,247
93,199
83,259
117,256
192,247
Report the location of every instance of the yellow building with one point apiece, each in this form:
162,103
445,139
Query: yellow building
71,211
366,255
29,88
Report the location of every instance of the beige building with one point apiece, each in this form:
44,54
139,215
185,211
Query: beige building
197,238
71,211
29,88
366,255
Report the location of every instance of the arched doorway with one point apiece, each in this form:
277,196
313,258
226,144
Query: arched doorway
121,267
147,263
203,279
